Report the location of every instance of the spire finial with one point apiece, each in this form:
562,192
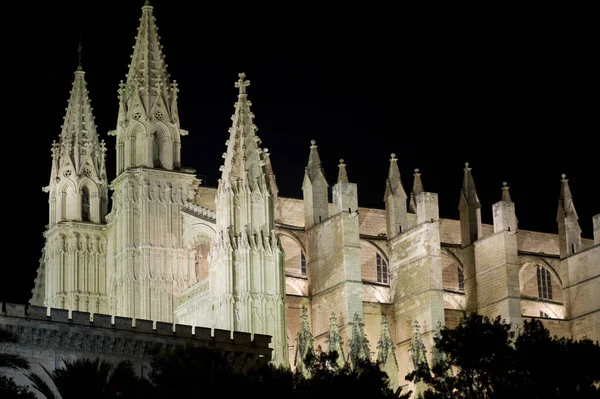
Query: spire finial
467,166
79,49
393,155
313,144
242,83
564,177
147,3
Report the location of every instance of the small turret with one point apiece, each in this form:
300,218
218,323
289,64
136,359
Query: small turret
315,189
345,196
504,212
470,210
395,201
569,232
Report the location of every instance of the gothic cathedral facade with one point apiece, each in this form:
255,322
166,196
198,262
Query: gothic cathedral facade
238,257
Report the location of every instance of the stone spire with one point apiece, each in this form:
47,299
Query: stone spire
470,210
386,353
78,163
342,175
248,291
334,341
244,167
314,190
503,211
358,347
416,190
569,232
304,345
148,131
395,201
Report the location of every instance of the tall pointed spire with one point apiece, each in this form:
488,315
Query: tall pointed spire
569,232
244,159
148,131
148,70
503,211
416,190
395,201
470,210
342,174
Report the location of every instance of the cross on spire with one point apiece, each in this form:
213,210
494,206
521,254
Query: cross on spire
242,83
79,49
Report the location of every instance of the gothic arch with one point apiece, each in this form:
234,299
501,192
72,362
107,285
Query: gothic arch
295,253
93,199
136,138
162,146
528,260
198,229
376,248
453,278
67,201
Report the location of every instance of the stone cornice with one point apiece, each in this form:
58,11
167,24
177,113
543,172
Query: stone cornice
181,174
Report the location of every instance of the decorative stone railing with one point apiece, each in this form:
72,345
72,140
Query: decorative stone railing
204,213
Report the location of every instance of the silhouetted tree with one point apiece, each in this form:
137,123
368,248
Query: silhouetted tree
489,362
8,387
91,379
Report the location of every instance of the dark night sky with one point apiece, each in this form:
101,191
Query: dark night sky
513,92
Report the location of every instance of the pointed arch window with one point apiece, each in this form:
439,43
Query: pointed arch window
544,280
302,263
382,270
461,279
85,204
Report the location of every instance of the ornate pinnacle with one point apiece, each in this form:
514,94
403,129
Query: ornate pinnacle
342,175
505,193
242,83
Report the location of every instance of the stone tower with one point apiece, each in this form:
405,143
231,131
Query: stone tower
149,264
72,273
247,280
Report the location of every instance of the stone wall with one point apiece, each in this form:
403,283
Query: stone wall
48,340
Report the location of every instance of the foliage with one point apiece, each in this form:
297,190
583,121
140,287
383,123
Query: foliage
9,360
482,358
198,372
8,387
10,390
99,379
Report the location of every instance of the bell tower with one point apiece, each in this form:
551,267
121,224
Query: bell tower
72,272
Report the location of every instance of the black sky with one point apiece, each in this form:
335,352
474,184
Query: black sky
512,91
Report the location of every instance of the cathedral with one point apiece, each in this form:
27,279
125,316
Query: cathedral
239,257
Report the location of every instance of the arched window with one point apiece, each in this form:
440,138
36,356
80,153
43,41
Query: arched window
382,270
156,150
302,264
461,279
544,280
85,204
